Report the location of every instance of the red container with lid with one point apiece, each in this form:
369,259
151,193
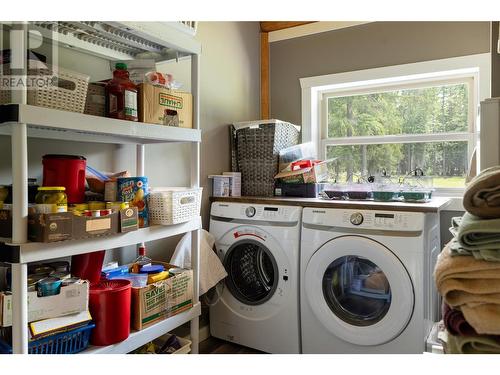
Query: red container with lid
109,305
88,266
67,171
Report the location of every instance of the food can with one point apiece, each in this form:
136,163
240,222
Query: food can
117,206
32,280
175,271
40,269
93,206
59,266
95,213
105,212
135,191
48,286
60,275
110,190
78,207
70,281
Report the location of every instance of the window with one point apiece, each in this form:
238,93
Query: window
397,119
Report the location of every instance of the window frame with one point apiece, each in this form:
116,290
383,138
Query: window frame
473,70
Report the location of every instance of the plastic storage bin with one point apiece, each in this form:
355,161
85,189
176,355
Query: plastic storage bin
299,190
169,206
69,95
70,342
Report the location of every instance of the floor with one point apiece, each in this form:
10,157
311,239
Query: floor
213,345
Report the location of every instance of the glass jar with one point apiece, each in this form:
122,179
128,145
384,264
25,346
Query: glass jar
51,199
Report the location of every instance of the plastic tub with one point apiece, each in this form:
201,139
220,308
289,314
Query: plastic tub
138,280
358,192
88,266
109,305
416,196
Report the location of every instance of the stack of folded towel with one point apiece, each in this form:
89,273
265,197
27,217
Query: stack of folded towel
467,272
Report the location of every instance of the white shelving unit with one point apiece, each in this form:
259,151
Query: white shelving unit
113,41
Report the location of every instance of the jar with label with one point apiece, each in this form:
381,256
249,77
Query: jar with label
121,95
51,199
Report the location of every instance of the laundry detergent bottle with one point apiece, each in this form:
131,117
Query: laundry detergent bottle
121,95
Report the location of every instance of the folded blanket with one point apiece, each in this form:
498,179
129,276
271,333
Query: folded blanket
482,195
472,345
455,322
474,286
474,234
489,255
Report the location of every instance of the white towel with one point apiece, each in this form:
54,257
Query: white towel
211,268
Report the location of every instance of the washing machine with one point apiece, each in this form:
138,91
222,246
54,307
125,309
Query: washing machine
366,280
259,247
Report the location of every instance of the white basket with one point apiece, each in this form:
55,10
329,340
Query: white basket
70,95
169,206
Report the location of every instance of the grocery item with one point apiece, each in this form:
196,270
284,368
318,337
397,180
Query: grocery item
175,271
69,281
93,206
135,191
59,266
67,171
40,269
155,268
221,185
32,281
60,275
117,206
109,305
121,95
48,286
110,190
51,199
235,183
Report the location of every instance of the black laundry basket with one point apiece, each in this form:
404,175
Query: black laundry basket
255,147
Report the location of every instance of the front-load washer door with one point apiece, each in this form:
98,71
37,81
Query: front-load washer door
359,290
252,272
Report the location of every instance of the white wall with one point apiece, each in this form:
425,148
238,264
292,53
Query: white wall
229,92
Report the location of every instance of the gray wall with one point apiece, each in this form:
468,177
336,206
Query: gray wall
229,92
363,47
495,61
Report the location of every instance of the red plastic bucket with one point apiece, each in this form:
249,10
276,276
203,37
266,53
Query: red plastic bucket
109,304
67,171
88,266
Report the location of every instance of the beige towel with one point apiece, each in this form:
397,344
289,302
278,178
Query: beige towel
472,285
482,195
472,345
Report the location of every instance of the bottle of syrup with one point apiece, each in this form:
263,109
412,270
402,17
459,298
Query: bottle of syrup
121,95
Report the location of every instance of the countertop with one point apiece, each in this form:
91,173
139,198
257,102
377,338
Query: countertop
435,205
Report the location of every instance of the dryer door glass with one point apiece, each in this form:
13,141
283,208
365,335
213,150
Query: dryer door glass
356,290
252,272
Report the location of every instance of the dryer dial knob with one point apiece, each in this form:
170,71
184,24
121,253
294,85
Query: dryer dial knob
250,211
356,218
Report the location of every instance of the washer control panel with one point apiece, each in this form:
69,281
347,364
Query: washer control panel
274,213
365,219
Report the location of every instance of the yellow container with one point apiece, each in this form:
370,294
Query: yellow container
155,277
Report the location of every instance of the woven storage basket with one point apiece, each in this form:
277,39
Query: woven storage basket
169,206
255,150
69,95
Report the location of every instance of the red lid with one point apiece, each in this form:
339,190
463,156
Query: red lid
107,286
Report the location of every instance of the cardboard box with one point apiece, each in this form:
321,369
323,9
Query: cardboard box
73,299
317,173
162,300
67,226
158,105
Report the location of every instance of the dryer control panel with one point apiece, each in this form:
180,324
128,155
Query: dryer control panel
365,219
261,212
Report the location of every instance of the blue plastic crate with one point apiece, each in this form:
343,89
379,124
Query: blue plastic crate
70,342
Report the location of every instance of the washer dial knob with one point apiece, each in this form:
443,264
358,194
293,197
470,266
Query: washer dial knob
250,211
356,218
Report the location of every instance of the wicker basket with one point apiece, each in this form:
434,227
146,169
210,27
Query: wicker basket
255,150
169,206
69,95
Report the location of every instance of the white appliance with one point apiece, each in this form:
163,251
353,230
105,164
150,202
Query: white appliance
366,280
259,247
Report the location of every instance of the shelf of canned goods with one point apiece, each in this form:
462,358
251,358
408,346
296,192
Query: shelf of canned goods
112,41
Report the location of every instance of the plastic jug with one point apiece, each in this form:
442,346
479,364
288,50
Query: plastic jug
67,171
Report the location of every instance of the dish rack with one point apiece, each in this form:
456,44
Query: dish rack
68,93
168,206
69,342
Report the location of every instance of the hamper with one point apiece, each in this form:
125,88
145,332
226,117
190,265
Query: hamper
255,147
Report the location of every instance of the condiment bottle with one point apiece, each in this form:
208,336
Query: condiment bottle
121,95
